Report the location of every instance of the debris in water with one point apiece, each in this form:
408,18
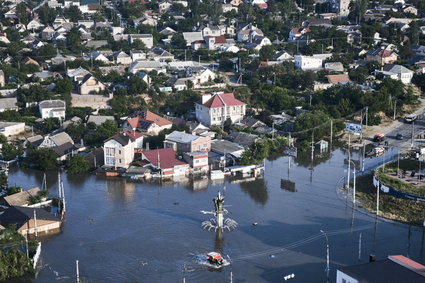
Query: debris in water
176,203
254,224
272,256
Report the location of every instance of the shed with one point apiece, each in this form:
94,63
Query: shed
322,145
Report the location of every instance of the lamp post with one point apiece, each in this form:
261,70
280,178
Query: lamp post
327,254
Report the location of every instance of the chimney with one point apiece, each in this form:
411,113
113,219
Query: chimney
82,143
206,97
372,258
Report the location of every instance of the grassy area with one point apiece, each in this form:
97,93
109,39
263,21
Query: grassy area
390,207
405,164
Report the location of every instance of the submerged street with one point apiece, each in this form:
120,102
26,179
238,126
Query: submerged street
123,231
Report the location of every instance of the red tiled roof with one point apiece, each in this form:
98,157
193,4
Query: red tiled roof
147,116
167,157
220,39
335,79
222,99
133,134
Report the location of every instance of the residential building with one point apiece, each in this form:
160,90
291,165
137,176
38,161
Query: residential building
8,129
146,122
382,56
216,108
120,57
119,151
165,161
19,199
147,66
52,141
183,142
90,84
226,149
298,34
191,37
395,268
248,32
396,72
197,160
99,120
28,220
283,56
52,109
3,38
137,55
147,39
310,62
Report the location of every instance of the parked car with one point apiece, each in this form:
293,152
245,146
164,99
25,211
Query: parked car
379,137
399,136
411,118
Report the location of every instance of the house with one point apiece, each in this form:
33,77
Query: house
313,62
95,44
3,38
119,151
137,137
99,120
19,199
8,129
137,55
147,39
96,55
283,56
183,142
396,72
395,268
225,148
52,141
10,103
197,160
52,109
382,56
248,32
159,54
77,75
90,84
242,138
29,220
191,37
62,59
147,66
166,162
341,79
145,77
2,80
120,57
34,25
297,34
216,108
146,122
210,30
47,33
334,67
30,61
65,151
168,32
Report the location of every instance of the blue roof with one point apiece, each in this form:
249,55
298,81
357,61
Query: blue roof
86,2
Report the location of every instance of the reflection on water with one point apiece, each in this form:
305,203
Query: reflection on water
119,189
257,190
219,241
304,158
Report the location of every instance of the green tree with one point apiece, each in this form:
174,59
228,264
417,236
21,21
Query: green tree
73,40
76,131
43,159
23,13
136,85
315,123
73,13
77,165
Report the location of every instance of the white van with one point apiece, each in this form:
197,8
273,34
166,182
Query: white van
411,118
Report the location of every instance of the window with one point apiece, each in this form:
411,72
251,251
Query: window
119,151
119,160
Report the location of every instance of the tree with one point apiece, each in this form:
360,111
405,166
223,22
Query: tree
76,131
23,13
317,121
46,15
267,52
47,51
136,85
63,86
178,42
73,39
77,165
43,159
73,13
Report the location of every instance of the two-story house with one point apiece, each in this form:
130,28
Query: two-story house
90,84
52,109
183,142
297,34
118,151
396,72
198,161
146,122
382,56
216,108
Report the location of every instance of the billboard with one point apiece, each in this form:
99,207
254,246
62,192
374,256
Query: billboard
353,128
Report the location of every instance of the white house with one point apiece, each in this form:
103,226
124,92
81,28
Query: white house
216,108
52,109
119,151
8,129
314,62
123,58
396,72
147,39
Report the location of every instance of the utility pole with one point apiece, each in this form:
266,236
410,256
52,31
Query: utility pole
78,271
26,246
413,132
377,200
331,132
395,107
360,246
349,161
367,110
364,158
35,223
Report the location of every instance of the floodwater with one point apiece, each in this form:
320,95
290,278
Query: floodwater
125,231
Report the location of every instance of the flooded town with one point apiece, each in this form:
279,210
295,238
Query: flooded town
222,141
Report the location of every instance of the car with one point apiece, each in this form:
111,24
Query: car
378,137
411,118
399,136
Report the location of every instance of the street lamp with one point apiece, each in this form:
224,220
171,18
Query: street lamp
327,254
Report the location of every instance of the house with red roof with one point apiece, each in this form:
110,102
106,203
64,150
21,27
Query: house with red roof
215,108
166,162
146,122
382,56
